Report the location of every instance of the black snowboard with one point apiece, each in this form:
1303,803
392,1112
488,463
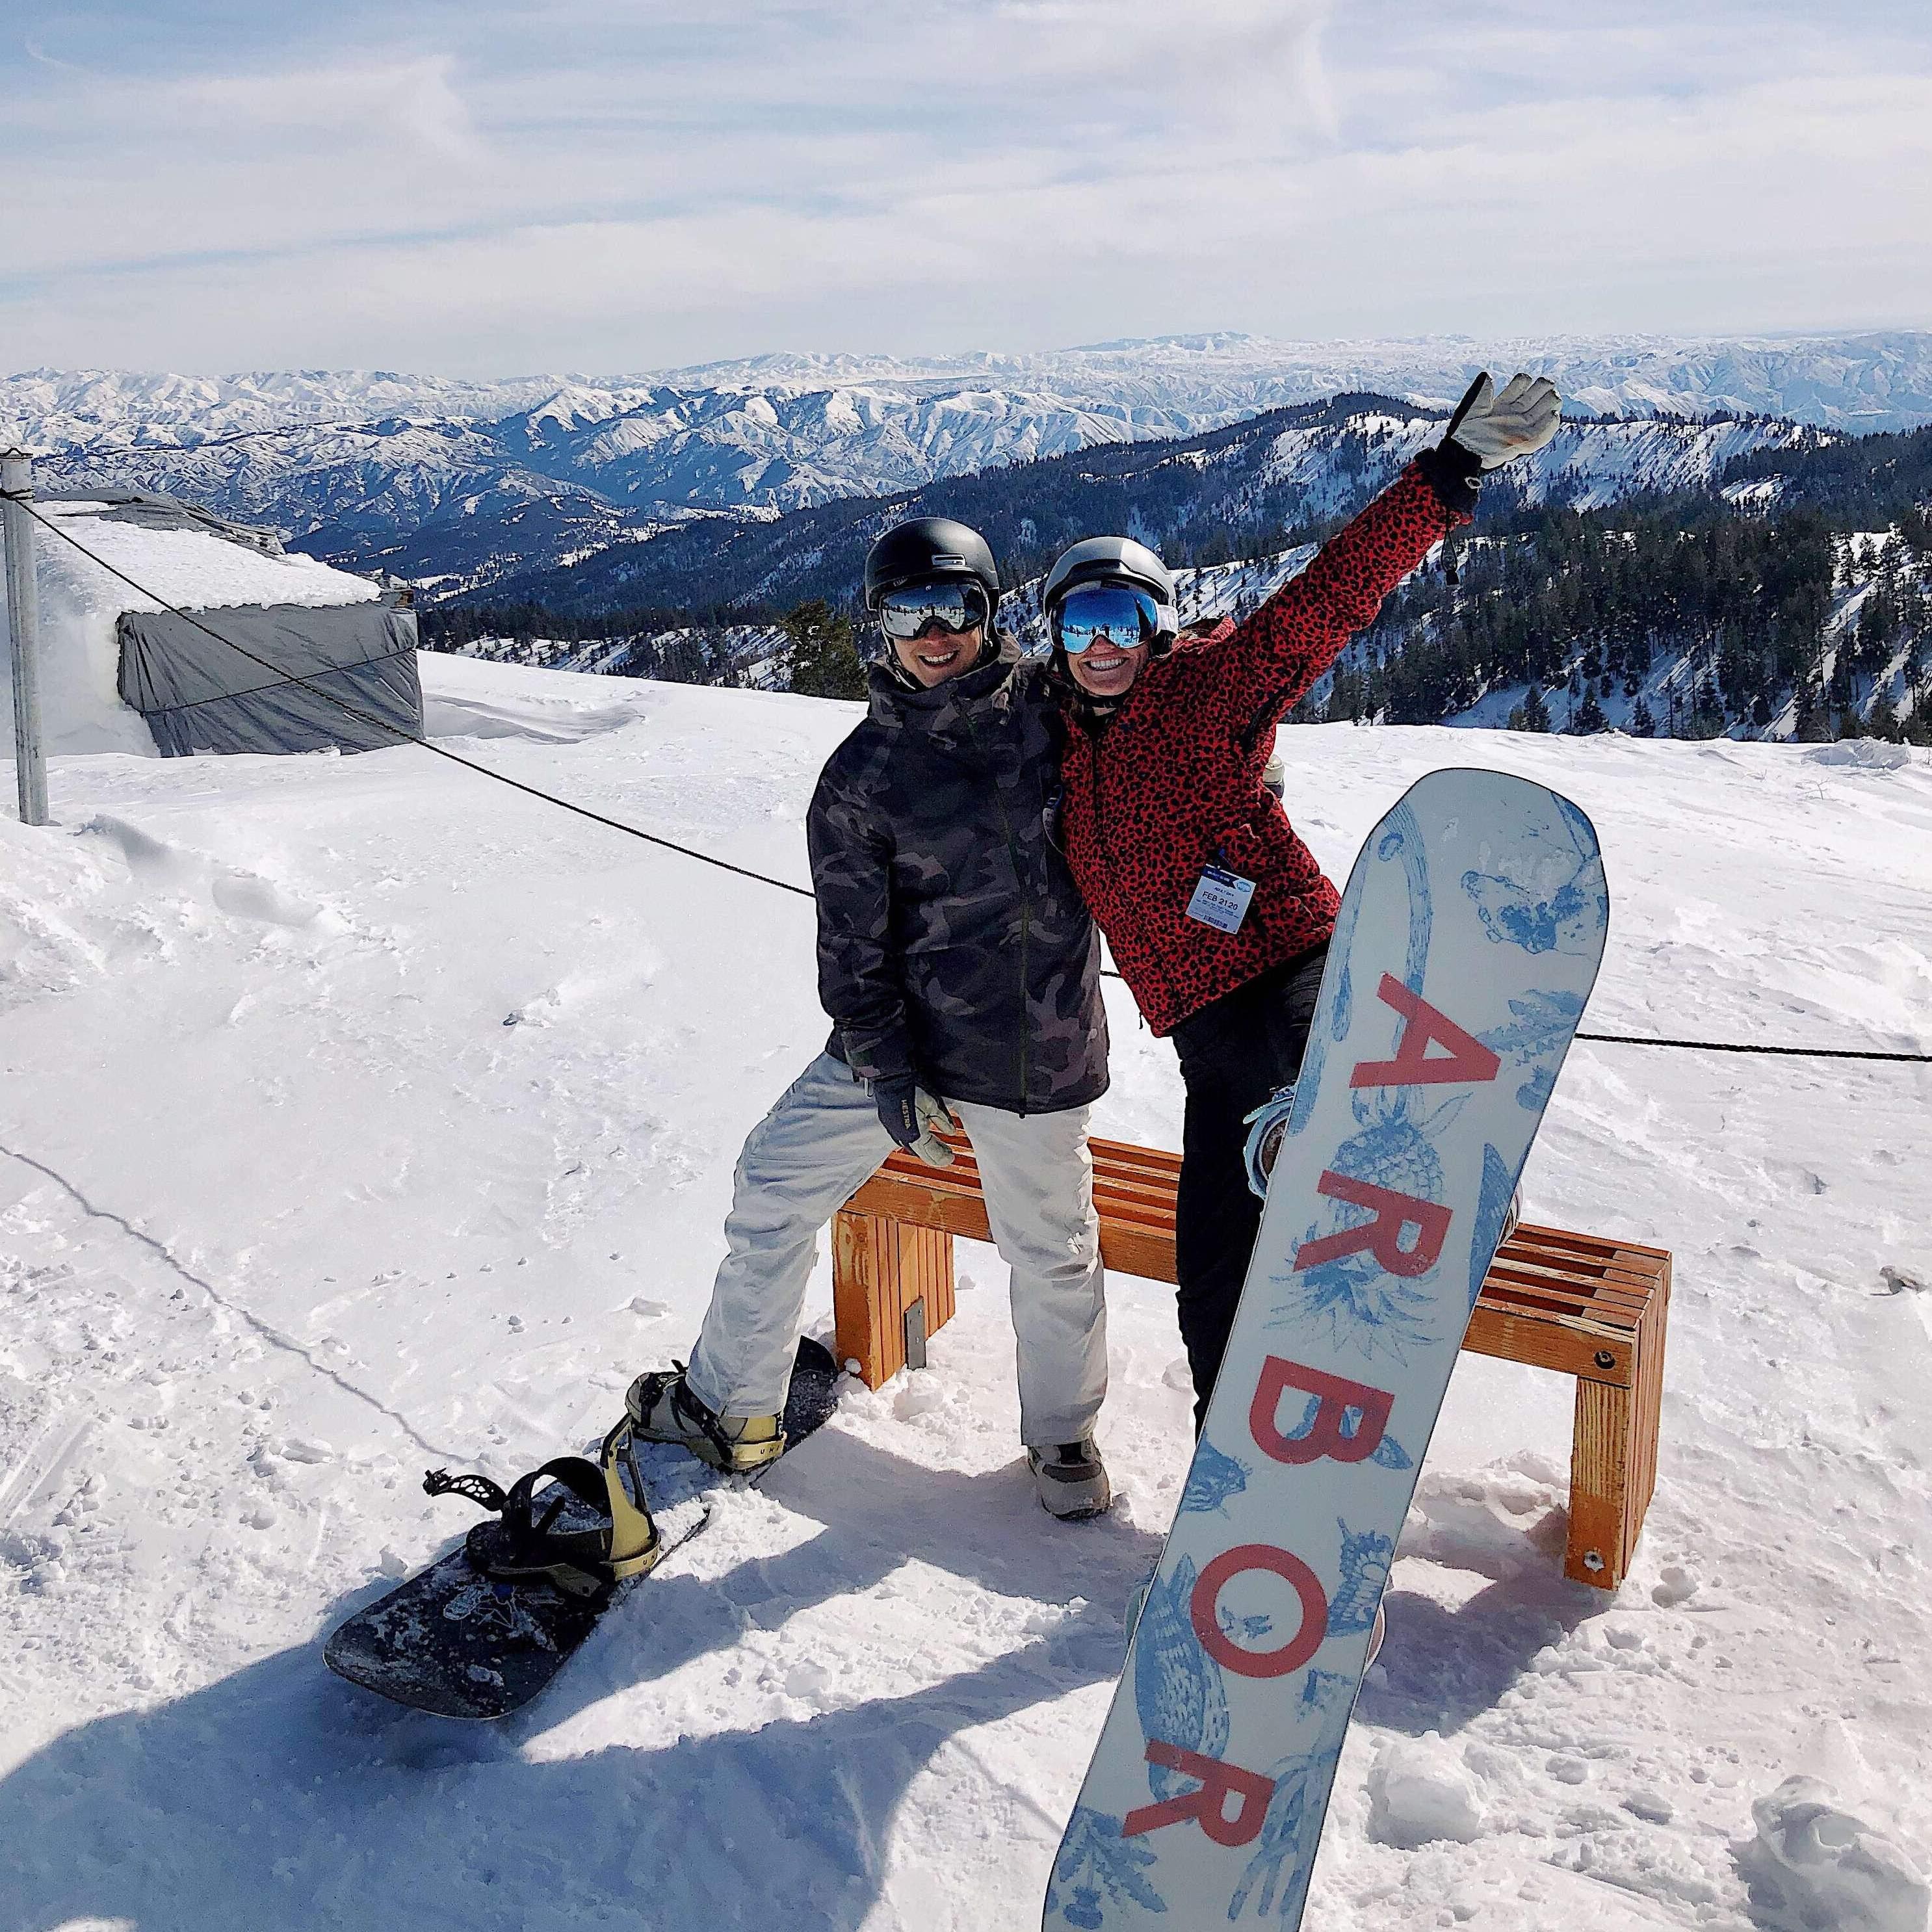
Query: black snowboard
450,1641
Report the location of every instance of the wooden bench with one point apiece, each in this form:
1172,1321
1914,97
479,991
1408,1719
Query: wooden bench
1595,1309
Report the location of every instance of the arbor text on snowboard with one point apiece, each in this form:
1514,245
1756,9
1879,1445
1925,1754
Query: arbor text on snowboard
1468,940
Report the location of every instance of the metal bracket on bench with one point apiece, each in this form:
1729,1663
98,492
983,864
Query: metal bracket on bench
915,1334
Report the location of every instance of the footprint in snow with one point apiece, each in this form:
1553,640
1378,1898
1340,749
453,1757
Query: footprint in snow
1813,1863
248,895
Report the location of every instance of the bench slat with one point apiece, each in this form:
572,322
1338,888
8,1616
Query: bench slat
1578,1304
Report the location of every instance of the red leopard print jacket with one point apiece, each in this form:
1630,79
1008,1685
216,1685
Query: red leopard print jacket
1172,782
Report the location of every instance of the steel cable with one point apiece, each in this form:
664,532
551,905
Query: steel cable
784,885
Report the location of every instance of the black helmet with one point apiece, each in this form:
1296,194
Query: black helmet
1114,560
930,549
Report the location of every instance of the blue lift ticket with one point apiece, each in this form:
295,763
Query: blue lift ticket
1221,899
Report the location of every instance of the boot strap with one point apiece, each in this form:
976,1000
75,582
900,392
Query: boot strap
582,1562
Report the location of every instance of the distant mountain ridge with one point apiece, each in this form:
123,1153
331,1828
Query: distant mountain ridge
1239,491
466,485
310,451
1879,380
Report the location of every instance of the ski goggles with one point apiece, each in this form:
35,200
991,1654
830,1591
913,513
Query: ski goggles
954,607
1104,614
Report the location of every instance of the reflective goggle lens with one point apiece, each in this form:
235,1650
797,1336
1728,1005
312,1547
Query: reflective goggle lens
1104,614
954,607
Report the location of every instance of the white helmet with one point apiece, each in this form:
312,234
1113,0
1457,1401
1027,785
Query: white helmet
1114,560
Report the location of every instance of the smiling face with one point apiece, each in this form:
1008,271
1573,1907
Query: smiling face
937,654
1108,671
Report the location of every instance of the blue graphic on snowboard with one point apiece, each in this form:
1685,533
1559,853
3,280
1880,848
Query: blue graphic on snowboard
1360,1304
1508,952
1521,907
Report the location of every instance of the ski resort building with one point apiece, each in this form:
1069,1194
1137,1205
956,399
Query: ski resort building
275,653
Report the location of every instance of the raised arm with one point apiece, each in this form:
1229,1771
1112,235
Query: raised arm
1265,667
1270,661
859,983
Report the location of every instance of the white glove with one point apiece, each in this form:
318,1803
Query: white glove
1494,428
910,1115
932,1114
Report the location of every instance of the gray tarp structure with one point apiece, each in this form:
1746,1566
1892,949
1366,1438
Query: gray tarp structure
198,694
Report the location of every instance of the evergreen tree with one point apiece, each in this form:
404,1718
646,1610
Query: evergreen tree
1643,721
1588,719
1811,726
1839,692
1708,717
1532,714
824,661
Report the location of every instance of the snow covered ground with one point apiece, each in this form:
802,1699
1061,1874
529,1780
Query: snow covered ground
360,1116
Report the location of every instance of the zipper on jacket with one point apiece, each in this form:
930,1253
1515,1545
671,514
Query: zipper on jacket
1020,884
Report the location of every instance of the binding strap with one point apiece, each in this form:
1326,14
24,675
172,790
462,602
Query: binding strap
685,1406
524,1545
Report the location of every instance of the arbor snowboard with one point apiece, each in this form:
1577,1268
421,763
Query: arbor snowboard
456,1643
1468,940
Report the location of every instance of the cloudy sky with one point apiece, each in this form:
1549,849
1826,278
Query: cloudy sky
495,187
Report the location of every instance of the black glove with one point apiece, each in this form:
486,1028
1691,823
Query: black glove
1454,474
911,1115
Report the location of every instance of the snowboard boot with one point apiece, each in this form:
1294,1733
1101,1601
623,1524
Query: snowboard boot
663,1408
1071,1479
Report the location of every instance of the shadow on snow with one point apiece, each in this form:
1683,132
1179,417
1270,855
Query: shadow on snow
280,1796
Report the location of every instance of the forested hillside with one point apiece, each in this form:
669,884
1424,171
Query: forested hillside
1688,620
1741,577
1244,491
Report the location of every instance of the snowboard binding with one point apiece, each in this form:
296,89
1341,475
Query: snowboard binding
533,1540
1266,1125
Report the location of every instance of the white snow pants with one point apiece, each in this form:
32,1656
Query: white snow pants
803,1162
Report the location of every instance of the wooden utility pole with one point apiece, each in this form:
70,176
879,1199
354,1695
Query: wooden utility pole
30,764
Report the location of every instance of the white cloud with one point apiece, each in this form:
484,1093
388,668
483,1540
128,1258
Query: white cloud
414,103
580,183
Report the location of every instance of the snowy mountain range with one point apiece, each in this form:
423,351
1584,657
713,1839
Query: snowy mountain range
344,452
1199,498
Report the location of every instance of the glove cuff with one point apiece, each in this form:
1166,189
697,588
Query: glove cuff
1454,473
894,1099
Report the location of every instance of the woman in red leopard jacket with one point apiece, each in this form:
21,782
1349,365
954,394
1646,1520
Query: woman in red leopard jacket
1218,916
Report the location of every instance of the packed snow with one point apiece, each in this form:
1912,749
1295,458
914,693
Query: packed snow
362,1116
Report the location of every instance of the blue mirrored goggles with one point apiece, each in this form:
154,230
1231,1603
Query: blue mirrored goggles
954,606
1104,614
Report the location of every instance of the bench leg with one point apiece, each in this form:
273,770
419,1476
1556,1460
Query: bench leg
880,1268
1606,1495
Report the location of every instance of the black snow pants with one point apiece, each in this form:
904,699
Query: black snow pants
1234,1054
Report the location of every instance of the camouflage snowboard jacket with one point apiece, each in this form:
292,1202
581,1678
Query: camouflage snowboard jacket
952,941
